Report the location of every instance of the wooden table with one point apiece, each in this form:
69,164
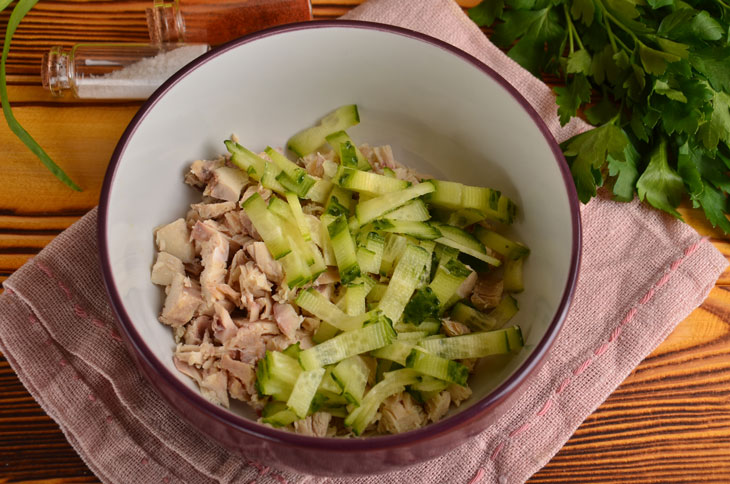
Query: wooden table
668,422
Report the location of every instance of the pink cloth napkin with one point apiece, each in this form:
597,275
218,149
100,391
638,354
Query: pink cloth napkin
642,273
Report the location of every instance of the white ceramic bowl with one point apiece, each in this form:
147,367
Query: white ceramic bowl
442,111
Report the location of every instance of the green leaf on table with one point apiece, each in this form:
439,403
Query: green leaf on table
625,172
20,10
579,62
486,12
572,96
718,126
715,205
660,185
589,151
583,10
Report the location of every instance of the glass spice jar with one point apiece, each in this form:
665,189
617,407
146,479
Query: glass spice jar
216,22
114,70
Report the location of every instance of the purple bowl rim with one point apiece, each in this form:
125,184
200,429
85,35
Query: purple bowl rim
253,428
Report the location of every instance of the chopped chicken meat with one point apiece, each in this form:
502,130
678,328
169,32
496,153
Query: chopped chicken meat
213,210
437,406
226,183
458,393
315,425
400,413
214,252
174,238
487,292
183,299
287,319
454,328
165,268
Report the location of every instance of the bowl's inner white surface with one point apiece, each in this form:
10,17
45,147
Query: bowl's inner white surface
440,113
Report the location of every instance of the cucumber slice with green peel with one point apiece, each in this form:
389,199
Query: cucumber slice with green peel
324,332
397,351
296,209
376,293
393,382
404,281
344,249
367,260
513,275
349,343
280,208
267,225
276,374
355,298
445,253
315,303
500,244
490,202
423,305
465,217
327,251
270,178
339,202
505,310
429,326
447,281
296,267
446,194
393,249
246,160
367,182
414,211
419,230
389,173
430,384
277,414
515,339
296,178
304,390
468,250
473,318
436,366
293,350
351,374
320,191
348,151
461,237
472,345
377,207
308,140
412,337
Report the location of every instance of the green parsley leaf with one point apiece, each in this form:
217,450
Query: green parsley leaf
715,205
655,61
601,112
660,185
712,62
626,172
570,98
705,27
718,127
486,12
687,169
583,10
590,150
579,62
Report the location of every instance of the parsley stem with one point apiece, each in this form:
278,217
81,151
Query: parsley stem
723,4
569,23
618,23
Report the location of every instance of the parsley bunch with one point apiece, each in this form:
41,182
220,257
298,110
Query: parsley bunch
653,76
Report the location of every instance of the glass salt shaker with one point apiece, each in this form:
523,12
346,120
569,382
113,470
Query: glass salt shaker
114,70
216,22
